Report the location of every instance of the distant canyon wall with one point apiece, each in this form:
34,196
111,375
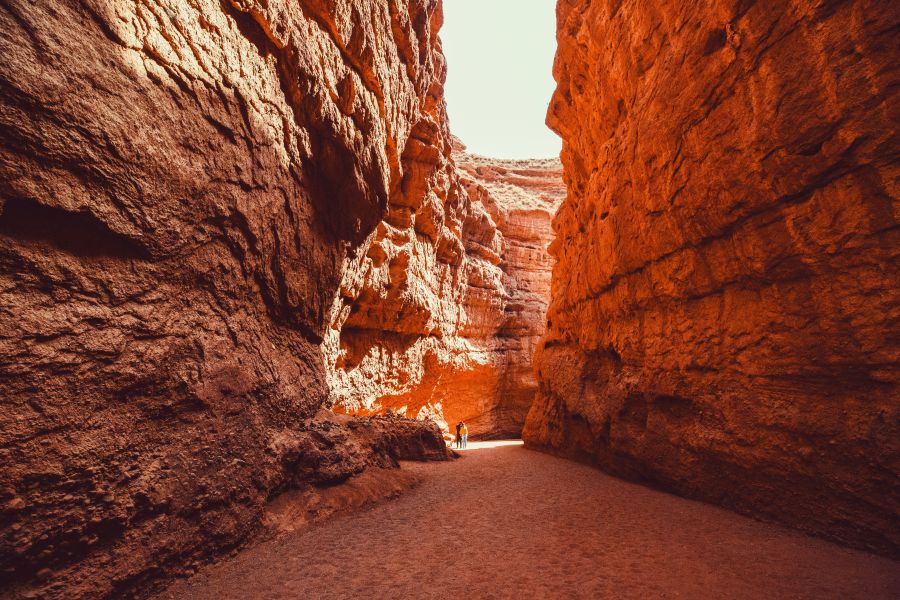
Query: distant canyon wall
182,186
726,299
441,311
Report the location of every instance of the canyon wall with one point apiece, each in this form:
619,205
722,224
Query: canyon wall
182,184
439,314
521,196
726,299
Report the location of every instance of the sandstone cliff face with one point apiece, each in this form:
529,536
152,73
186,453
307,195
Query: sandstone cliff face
725,302
440,312
521,196
181,182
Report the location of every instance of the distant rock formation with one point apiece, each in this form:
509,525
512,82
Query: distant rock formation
446,329
726,300
521,196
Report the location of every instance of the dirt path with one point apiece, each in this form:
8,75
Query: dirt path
506,522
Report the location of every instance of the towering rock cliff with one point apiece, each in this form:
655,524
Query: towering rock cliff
440,311
726,297
521,196
181,185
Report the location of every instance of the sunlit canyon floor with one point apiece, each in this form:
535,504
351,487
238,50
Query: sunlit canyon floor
508,522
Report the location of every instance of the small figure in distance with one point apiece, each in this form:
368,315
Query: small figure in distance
465,435
459,427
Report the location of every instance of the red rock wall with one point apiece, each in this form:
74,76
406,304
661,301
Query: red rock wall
521,196
441,311
181,182
725,302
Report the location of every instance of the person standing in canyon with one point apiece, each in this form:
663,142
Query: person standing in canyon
459,426
465,435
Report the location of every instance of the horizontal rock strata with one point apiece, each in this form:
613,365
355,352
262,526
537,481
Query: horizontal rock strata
725,302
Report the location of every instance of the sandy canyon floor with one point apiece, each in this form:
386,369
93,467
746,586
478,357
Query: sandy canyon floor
507,522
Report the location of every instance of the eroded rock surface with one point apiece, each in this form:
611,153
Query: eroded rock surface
726,297
521,196
181,182
441,312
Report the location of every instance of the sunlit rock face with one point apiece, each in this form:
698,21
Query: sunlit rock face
440,312
521,196
181,183
725,301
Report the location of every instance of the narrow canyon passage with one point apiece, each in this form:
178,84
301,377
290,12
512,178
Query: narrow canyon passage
507,522
248,253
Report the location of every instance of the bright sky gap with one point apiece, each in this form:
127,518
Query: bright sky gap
499,81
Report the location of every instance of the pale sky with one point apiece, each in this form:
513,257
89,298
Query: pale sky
500,75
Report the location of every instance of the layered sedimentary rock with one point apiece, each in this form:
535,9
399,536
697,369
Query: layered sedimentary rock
521,196
181,182
440,313
725,303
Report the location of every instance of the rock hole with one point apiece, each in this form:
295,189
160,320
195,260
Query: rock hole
634,412
674,406
715,41
77,233
811,149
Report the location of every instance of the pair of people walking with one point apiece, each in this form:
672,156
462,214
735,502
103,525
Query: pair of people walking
462,435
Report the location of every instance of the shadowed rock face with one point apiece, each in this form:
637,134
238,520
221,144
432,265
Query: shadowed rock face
440,312
725,302
181,182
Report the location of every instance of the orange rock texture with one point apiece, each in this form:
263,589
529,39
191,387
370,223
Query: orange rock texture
725,302
181,185
441,310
